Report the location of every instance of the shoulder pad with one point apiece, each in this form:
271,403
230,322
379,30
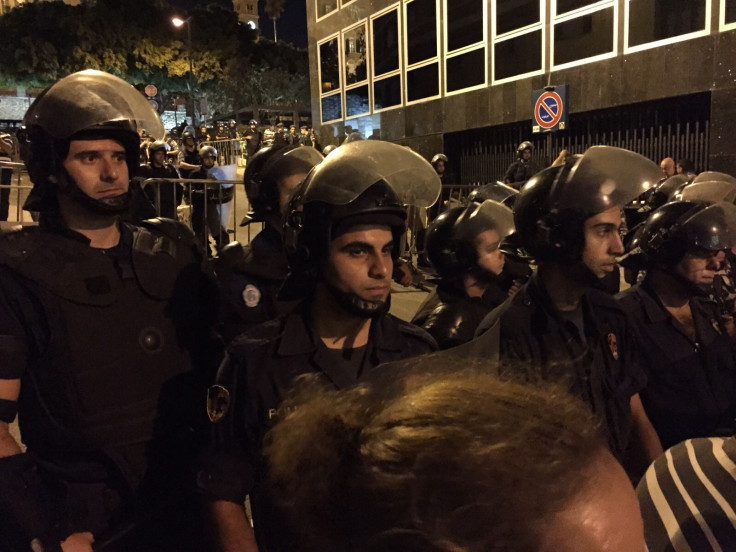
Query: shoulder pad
170,228
232,255
416,332
257,336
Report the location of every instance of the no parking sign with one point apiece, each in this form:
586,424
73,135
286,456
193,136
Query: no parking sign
549,109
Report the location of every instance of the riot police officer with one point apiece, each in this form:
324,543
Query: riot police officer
189,159
165,194
523,168
253,138
568,218
463,247
343,228
251,275
104,335
691,372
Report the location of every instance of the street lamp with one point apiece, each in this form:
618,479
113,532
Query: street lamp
178,22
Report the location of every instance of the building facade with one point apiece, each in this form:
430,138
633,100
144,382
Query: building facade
456,76
247,11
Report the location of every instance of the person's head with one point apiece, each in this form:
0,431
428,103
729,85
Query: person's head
232,123
344,224
685,166
524,151
685,239
208,155
271,126
458,462
570,214
668,166
292,129
157,153
203,128
252,124
187,138
303,130
270,177
439,162
81,142
464,241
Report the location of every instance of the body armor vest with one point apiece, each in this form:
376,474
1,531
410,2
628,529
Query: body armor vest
111,338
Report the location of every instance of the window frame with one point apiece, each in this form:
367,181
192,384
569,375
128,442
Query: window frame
339,90
447,55
574,14
325,16
400,71
673,40
423,63
722,25
344,70
495,39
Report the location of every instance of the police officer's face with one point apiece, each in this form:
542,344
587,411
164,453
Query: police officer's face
526,154
439,167
286,186
360,262
98,167
603,242
208,161
700,268
159,156
490,257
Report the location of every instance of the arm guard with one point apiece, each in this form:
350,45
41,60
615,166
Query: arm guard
27,507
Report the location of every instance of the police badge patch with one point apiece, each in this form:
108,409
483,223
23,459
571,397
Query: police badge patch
251,296
613,346
218,402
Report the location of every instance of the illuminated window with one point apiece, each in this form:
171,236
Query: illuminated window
325,7
355,67
329,77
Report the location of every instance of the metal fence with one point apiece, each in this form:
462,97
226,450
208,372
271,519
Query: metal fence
673,127
230,152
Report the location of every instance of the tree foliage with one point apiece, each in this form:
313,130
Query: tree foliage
44,41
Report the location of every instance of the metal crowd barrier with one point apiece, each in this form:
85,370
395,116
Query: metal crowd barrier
194,189
229,152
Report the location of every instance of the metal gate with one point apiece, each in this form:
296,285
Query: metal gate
672,127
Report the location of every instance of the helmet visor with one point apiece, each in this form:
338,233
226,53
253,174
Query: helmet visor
713,191
308,155
496,216
713,228
352,168
708,176
88,99
605,177
497,191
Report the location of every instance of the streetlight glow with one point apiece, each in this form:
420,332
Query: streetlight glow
177,21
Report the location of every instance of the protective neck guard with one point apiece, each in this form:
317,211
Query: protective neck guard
356,306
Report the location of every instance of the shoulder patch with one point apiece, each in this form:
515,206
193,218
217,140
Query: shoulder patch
218,402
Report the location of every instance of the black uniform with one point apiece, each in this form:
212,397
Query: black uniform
520,171
593,354
112,348
191,157
691,387
250,282
165,193
451,316
262,366
253,139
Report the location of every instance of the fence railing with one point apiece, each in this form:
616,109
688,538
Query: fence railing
230,152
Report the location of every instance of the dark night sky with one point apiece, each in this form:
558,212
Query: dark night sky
291,26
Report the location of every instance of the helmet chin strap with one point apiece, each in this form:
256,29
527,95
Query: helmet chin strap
356,306
114,205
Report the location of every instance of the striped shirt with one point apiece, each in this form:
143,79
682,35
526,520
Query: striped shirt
7,146
688,497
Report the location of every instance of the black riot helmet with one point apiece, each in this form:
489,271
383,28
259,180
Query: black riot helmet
552,207
363,182
264,171
159,145
88,105
451,244
681,227
497,191
710,186
526,145
208,151
438,157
